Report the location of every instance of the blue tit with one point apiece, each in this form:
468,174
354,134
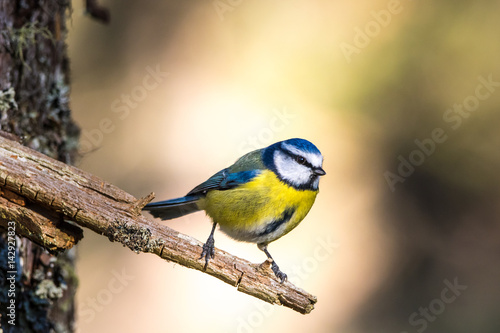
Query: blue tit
258,199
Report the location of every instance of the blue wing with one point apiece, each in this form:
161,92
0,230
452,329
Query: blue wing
224,180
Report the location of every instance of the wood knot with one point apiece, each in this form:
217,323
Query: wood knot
137,206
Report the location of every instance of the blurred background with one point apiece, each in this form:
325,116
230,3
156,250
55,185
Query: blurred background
402,99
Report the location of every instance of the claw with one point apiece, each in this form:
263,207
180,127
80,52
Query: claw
279,274
209,248
274,267
208,251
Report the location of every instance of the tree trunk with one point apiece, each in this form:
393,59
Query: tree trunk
37,288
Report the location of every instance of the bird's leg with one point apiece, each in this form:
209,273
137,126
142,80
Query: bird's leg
279,274
209,248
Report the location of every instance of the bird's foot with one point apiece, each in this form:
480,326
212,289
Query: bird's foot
208,251
279,274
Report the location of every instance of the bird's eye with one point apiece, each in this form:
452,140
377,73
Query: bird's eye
300,160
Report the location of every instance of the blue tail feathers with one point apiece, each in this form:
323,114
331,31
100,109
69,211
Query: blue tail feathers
171,209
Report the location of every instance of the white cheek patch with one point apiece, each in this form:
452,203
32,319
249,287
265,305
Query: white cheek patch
316,160
290,170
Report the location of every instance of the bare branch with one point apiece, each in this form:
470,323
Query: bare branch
41,226
95,204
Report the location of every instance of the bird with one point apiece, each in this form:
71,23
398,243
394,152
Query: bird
261,197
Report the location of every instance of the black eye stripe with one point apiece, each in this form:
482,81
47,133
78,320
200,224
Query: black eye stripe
296,157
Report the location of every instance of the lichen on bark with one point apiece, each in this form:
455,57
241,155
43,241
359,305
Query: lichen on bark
35,107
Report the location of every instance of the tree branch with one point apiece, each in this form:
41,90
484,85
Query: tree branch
95,204
39,225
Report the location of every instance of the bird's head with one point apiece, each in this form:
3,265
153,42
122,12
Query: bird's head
297,162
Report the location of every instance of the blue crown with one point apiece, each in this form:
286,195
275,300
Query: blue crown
302,144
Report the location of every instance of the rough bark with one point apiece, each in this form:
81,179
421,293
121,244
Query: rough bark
34,106
95,204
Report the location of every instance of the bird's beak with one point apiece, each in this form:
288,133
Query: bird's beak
319,171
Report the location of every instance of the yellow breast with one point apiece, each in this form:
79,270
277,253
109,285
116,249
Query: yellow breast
247,212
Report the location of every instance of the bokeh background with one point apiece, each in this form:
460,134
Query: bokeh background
401,97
